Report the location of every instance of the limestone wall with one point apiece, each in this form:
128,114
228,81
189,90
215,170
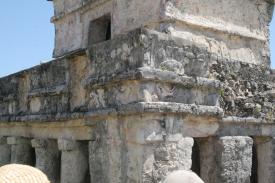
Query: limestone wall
137,108
148,102
236,30
132,73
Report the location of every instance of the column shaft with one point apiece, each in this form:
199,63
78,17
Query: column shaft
21,151
47,158
5,152
74,161
266,159
226,159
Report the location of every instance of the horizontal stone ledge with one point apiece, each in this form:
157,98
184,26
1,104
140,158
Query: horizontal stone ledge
60,117
167,107
124,110
17,140
218,26
71,130
82,8
235,119
10,97
83,129
57,90
246,129
159,107
151,74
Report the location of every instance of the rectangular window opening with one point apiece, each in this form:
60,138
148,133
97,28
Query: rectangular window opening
100,30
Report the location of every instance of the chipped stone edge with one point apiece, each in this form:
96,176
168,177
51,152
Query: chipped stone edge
124,110
150,74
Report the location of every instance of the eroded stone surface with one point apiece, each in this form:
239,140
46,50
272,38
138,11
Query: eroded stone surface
226,159
265,157
5,152
21,150
140,82
74,161
47,158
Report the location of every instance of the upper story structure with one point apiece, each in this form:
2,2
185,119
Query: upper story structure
237,30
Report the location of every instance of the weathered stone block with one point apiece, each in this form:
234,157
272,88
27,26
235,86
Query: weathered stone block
265,149
124,150
21,150
5,151
226,159
47,158
170,156
74,161
107,153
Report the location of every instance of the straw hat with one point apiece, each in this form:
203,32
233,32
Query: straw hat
182,176
15,173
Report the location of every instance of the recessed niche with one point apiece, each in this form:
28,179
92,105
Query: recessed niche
100,29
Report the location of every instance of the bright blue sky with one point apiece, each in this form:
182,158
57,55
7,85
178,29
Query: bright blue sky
27,36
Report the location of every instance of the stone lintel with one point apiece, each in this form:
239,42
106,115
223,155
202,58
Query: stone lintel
17,140
39,143
53,129
68,145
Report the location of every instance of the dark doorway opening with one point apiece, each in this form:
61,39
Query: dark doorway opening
254,168
196,158
100,30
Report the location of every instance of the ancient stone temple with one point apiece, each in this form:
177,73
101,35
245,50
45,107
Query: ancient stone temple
141,88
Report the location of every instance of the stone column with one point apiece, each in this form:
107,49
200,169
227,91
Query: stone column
226,159
170,155
74,161
266,159
5,152
138,150
47,158
21,151
147,163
